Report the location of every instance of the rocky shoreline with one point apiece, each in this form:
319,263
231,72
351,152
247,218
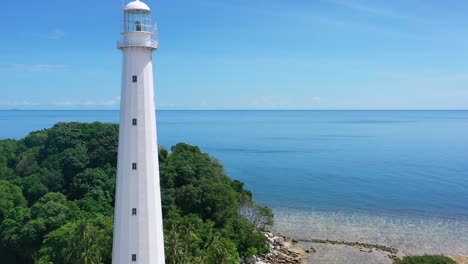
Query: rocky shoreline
392,253
285,249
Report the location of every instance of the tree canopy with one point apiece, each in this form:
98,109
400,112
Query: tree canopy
57,196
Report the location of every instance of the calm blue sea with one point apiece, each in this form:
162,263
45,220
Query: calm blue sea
376,167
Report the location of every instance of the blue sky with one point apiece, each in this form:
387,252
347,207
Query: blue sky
242,54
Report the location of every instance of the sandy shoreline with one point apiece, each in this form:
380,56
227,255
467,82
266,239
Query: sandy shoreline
288,250
410,235
460,259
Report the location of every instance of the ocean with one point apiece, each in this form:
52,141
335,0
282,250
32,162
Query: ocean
398,178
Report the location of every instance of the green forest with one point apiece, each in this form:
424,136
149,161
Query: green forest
57,196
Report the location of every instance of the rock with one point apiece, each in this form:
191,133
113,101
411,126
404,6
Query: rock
279,240
282,251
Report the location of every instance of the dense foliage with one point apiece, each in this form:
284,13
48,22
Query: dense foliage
57,196
426,260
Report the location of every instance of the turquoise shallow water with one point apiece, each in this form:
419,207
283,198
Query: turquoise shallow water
376,167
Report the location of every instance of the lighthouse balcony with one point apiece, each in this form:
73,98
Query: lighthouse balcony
147,43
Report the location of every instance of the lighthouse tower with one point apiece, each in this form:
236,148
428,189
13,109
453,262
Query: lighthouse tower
138,228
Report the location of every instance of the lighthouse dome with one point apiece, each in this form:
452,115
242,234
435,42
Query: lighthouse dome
137,5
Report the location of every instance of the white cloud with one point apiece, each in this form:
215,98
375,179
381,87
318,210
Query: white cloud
316,99
56,34
261,102
88,103
307,15
370,10
111,103
34,67
429,76
16,103
449,78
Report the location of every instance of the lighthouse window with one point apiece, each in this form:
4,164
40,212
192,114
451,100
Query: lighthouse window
133,257
134,121
138,26
134,78
134,166
134,211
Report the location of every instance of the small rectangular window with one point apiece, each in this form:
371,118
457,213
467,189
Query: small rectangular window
134,211
133,257
134,121
134,78
134,166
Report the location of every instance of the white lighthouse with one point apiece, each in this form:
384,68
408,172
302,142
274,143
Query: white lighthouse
138,228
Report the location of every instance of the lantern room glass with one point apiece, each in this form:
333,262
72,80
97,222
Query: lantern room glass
137,20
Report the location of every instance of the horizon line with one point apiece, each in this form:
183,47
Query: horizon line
279,109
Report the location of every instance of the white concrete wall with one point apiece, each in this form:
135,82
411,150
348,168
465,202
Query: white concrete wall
141,234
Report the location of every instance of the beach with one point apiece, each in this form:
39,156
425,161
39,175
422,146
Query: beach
285,249
360,238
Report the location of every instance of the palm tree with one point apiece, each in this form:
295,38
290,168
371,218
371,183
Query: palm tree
83,245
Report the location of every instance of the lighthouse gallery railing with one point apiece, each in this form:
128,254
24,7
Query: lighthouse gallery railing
150,43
